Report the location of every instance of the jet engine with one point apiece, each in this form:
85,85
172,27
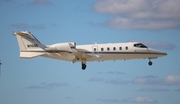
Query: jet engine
62,47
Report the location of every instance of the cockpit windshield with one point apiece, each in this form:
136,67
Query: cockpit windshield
140,45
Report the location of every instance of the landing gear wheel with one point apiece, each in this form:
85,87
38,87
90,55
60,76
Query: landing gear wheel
83,66
150,63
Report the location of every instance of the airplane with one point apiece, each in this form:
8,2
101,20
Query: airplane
31,47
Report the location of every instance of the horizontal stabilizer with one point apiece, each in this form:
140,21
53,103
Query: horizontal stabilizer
30,54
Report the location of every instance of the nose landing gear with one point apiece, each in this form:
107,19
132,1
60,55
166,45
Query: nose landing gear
150,62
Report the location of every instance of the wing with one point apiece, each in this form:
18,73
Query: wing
83,56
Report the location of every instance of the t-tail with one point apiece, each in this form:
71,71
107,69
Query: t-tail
28,44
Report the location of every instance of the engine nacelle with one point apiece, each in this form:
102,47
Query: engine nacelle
64,47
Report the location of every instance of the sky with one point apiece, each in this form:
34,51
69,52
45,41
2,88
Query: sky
156,23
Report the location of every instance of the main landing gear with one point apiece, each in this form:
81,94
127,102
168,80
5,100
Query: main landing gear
83,66
150,62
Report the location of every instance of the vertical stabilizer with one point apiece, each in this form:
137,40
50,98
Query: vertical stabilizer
27,41
28,44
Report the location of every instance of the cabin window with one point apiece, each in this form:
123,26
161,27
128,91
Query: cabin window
108,49
114,48
102,49
126,48
94,49
120,48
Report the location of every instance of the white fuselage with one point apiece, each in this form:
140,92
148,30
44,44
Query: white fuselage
31,47
111,51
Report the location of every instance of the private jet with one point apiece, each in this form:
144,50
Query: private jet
31,47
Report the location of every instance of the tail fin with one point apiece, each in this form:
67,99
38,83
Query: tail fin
28,44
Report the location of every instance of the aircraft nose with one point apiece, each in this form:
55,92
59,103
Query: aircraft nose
163,53
159,53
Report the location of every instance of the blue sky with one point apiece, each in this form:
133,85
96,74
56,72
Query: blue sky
156,23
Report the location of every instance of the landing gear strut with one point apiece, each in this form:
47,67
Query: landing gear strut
150,63
83,66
